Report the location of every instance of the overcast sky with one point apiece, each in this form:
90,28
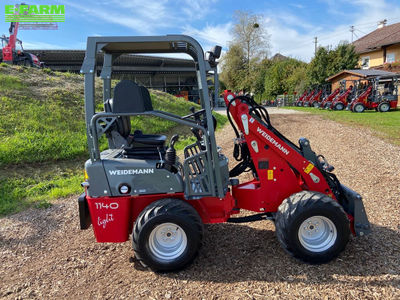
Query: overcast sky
292,25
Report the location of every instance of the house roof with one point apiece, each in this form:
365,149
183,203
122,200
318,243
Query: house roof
385,36
367,73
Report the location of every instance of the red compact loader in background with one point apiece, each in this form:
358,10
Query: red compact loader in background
323,94
300,99
341,101
314,99
329,98
381,94
142,187
307,98
12,55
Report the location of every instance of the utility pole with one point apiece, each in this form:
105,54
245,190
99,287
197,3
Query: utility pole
352,32
315,46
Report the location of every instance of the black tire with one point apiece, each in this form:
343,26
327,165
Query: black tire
328,105
27,62
147,236
303,206
338,106
384,107
358,108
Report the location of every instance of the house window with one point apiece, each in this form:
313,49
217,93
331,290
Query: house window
390,58
365,62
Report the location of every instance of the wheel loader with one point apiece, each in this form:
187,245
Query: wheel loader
139,186
380,94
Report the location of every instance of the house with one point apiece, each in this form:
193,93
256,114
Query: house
351,75
380,49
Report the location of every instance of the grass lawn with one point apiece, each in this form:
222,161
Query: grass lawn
385,125
43,139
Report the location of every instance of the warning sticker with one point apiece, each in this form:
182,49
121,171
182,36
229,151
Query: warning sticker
308,168
270,174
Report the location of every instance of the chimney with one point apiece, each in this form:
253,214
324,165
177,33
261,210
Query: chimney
382,23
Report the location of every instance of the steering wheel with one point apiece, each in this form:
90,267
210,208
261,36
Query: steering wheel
195,114
200,121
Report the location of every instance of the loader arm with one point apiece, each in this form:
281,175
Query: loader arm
282,168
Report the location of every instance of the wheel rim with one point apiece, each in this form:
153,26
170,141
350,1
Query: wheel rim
339,106
167,241
317,234
359,108
385,107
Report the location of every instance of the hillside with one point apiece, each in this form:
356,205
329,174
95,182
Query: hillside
42,134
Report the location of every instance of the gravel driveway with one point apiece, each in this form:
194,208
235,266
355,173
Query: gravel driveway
45,256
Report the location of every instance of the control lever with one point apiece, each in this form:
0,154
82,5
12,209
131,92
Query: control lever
170,155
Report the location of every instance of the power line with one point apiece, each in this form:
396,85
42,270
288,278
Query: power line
361,31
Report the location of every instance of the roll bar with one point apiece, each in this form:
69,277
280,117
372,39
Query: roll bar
114,46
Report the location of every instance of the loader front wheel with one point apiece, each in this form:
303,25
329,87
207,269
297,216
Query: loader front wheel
312,227
167,235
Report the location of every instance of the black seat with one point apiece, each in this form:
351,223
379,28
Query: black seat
132,98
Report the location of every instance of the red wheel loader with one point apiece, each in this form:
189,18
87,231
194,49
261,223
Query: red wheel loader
381,95
322,94
300,99
307,98
13,51
139,186
314,99
341,101
329,98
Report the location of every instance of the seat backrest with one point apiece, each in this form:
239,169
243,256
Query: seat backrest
128,98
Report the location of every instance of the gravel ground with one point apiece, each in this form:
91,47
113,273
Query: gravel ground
271,111
45,256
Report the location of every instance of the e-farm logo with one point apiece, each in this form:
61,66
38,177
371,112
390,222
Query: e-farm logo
34,13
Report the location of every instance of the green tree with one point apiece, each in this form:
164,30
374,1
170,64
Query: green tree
327,63
279,77
318,69
297,80
258,77
343,57
250,33
241,66
233,67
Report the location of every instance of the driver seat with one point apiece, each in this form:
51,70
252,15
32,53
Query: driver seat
132,98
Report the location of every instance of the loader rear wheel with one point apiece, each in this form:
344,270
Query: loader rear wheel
384,107
339,106
167,235
358,108
312,227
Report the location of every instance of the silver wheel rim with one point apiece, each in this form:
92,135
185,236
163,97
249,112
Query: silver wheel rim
167,242
385,107
339,106
317,234
358,108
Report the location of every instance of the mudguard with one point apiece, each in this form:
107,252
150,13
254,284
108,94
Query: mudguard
84,214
